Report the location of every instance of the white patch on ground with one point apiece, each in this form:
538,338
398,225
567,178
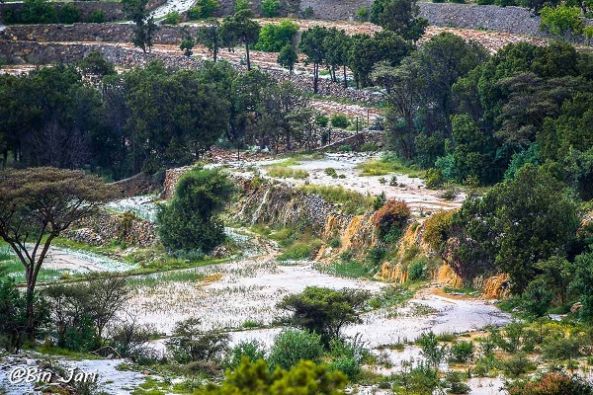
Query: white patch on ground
412,190
142,206
77,262
170,6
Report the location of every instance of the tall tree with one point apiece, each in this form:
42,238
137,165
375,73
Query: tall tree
145,27
241,28
36,206
337,46
312,45
399,16
211,37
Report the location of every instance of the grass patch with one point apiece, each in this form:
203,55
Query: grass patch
286,172
63,352
351,202
300,250
10,266
387,164
391,297
347,269
176,276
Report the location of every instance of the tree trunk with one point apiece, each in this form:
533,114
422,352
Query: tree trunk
247,55
315,77
345,79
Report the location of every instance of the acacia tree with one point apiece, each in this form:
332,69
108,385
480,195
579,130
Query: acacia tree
325,311
36,206
145,26
240,28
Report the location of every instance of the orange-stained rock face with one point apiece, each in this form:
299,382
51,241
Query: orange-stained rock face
496,287
446,276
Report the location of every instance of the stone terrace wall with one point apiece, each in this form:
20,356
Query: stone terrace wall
112,10
40,53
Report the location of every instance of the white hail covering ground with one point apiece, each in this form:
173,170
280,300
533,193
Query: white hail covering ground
76,262
171,6
142,206
412,190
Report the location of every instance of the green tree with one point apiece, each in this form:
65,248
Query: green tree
581,285
240,28
337,46
287,57
69,13
399,16
311,45
187,43
520,222
562,20
203,9
325,311
36,206
211,37
270,8
145,27
189,222
273,37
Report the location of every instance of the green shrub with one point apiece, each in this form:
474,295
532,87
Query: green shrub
335,242
189,344
537,298
461,351
561,20
434,178
285,172
172,18
203,9
437,228
69,13
351,202
563,347
362,14
417,270
273,37
376,255
252,350
38,11
270,8
379,201
391,219
518,365
300,250
13,317
421,380
321,120
330,171
340,121
292,346
97,16
188,222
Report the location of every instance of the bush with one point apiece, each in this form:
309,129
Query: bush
362,14
172,18
13,315
561,20
270,8
292,346
300,250
81,312
434,178
518,365
537,298
437,228
376,255
417,270
552,383
251,350
330,171
340,121
391,219
306,377
189,222
129,338
97,16
418,380
274,37
568,347
69,13
203,9
461,352
189,344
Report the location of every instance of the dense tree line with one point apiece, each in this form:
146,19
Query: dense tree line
144,119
